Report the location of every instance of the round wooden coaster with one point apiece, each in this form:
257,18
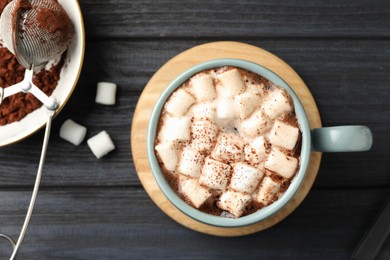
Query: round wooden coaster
161,80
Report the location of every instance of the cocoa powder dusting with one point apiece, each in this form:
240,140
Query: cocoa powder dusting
17,106
23,5
3,3
54,22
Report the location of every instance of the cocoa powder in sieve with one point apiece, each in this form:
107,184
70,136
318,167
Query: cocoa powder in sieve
3,3
56,21
17,106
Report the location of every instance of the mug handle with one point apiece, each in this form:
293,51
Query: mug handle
354,138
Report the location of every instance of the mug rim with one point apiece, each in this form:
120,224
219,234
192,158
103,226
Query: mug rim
263,213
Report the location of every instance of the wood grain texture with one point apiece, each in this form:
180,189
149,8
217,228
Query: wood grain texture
348,79
248,18
171,70
123,223
97,209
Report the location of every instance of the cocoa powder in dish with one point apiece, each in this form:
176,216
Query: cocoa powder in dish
16,107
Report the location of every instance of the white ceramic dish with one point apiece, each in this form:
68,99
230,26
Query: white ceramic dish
69,76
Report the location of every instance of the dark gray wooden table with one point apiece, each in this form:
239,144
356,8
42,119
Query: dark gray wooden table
97,209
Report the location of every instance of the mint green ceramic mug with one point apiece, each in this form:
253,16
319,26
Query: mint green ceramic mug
327,139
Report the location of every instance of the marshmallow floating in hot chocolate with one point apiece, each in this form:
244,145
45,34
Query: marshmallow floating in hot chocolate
202,88
284,135
247,103
203,135
168,154
229,148
176,129
256,151
203,111
234,202
256,125
191,162
179,103
281,163
226,110
228,140
193,192
215,174
232,83
245,178
276,103
267,191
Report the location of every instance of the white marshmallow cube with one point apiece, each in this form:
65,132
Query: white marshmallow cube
254,87
203,135
234,202
168,155
246,103
195,193
255,152
225,110
267,191
203,111
191,162
106,93
232,83
276,103
179,103
229,148
215,175
256,124
203,88
245,178
73,132
176,129
283,135
101,144
280,163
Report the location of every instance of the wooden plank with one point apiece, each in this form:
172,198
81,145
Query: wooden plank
165,18
124,223
348,78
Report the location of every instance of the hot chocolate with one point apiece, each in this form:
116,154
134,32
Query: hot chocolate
228,141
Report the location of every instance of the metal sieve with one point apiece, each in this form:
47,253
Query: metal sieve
33,47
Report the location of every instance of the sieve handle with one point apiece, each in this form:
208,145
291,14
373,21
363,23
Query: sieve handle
27,86
11,90
16,246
